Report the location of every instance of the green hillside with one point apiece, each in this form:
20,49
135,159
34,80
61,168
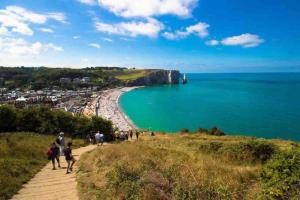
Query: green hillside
41,77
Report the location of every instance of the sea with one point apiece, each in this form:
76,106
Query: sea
253,104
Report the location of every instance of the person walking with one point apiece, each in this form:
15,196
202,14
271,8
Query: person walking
97,138
69,157
130,134
101,136
137,133
61,142
54,155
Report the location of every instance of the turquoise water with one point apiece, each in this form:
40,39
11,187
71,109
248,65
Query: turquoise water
264,105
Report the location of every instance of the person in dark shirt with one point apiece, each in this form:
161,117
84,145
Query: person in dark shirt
54,155
131,134
137,134
69,157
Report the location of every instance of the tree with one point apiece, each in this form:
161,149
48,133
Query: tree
8,118
28,120
65,121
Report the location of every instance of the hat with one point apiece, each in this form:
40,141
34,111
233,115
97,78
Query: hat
61,133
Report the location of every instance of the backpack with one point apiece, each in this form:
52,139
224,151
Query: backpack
49,154
57,140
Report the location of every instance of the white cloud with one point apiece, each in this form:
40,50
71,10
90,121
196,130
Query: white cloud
150,28
18,19
212,42
200,29
107,39
57,16
149,8
54,47
46,30
88,2
96,45
75,37
246,40
20,47
3,30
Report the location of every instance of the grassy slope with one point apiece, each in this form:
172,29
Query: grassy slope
21,156
129,75
174,167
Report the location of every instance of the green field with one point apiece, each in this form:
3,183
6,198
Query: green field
22,155
192,166
129,75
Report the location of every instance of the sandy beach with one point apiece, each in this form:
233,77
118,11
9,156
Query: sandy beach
106,105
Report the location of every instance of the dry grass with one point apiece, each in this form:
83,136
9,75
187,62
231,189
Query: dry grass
167,167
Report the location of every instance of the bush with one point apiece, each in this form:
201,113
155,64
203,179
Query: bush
184,130
252,151
202,130
211,147
213,131
280,177
8,118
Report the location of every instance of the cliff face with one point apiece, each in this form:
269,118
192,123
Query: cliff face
157,77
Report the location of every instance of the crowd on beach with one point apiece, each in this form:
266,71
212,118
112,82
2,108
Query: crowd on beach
106,106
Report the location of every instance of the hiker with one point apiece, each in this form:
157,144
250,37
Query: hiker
131,134
54,155
97,137
152,133
61,142
89,139
101,138
137,133
69,157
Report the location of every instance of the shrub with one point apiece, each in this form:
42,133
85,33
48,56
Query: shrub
280,177
215,131
8,118
184,130
202,130
211,147
251,151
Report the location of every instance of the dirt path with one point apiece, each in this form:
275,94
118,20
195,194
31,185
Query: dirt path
51,184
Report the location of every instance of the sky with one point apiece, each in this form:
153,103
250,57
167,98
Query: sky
188,35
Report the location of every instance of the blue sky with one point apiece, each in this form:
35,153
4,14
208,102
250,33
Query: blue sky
189,35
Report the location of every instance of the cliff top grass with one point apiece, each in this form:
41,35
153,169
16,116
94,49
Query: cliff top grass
22,155
133,74
191,166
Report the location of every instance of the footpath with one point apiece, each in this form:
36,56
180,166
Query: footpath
51,184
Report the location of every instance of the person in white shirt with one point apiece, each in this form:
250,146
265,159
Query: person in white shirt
101,138
97,137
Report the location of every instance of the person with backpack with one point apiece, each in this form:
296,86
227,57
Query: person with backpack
53,154
69,157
